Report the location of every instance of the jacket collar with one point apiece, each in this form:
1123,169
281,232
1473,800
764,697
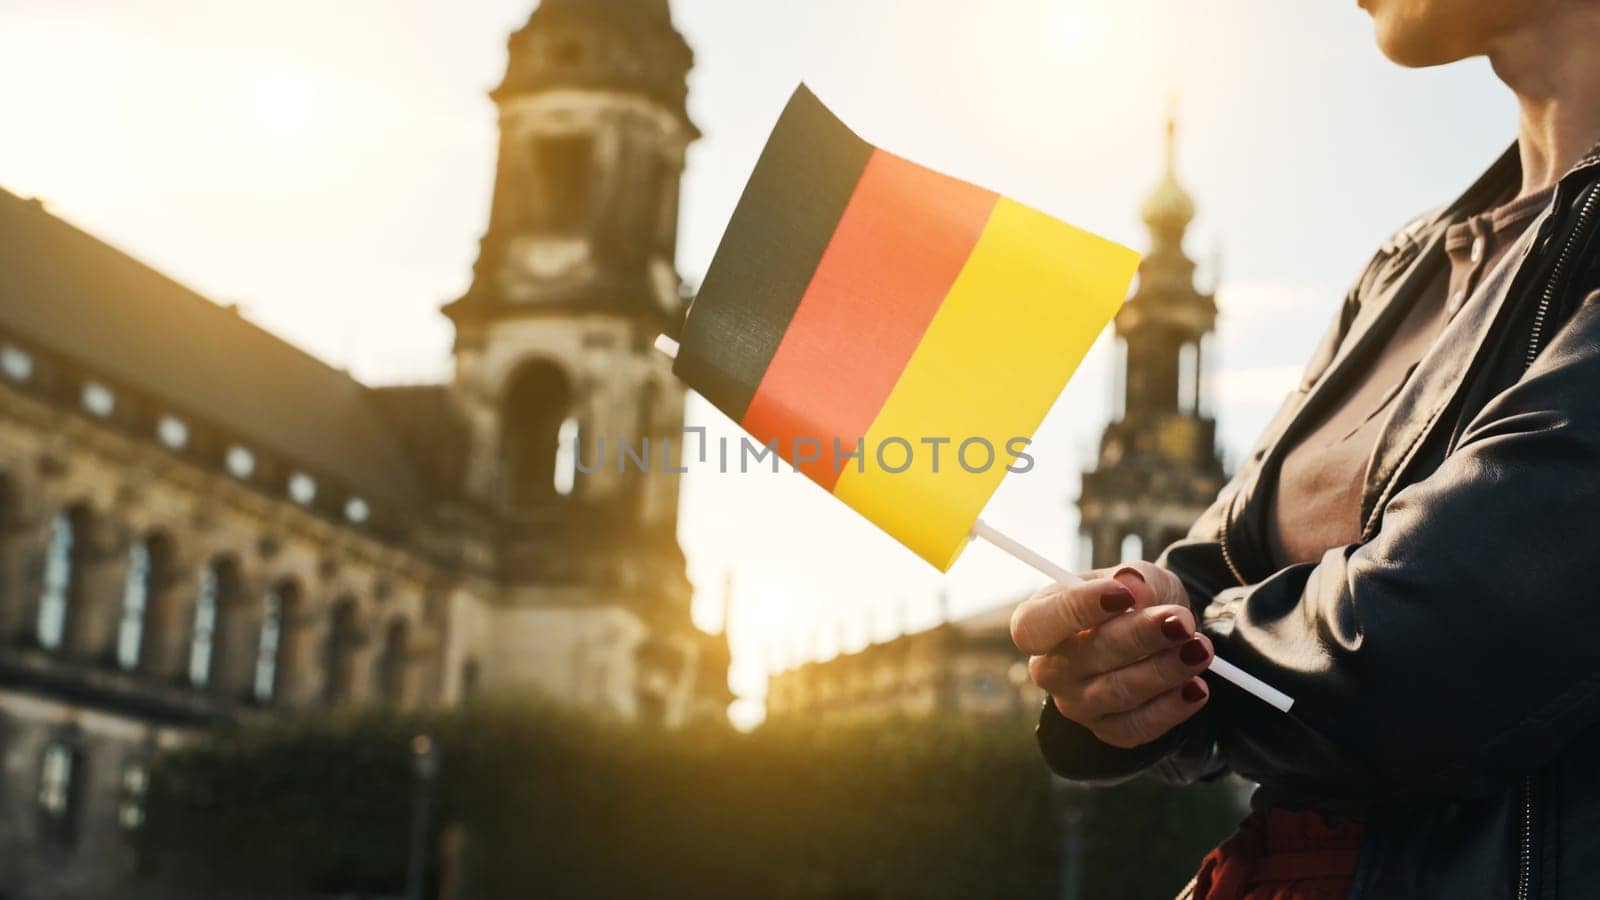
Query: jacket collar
1420,247
1441,374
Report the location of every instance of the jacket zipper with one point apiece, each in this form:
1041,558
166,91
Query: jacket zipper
1540,314
1525,848
1525,842
1222,542
1547,297
1591,202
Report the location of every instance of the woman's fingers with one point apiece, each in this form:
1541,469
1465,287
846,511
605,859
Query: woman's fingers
1089,697
1117,653
1125,639
1061,611
1128,688
1150,584
1145,723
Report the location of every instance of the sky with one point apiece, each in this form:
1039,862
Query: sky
326,166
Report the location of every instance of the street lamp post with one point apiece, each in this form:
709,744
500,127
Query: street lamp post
1070,802
425,765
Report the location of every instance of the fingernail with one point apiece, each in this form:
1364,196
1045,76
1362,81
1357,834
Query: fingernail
1193,653
1174,630
1128,570
1193,692
1118,599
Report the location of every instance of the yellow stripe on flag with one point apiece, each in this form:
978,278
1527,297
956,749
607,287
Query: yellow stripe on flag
1016,323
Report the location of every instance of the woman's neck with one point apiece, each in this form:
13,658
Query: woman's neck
1554,70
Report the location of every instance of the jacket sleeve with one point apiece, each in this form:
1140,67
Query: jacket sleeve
1460,646
1183,755
1191,751
1188,753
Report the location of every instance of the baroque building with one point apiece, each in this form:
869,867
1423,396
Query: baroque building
200,524
966,667
1158,466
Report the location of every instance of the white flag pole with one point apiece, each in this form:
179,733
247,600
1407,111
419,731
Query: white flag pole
1224,669
1243,680
1014,547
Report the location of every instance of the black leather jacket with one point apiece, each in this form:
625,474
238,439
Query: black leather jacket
1446,669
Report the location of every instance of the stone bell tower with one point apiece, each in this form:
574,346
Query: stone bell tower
1158,467
554,371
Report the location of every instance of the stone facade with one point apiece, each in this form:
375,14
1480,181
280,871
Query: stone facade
199,524
966,667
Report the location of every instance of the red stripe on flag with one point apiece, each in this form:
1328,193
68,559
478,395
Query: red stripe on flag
898,248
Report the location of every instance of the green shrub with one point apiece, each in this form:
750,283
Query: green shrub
558,805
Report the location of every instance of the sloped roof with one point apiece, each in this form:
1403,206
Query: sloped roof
83,300
432,431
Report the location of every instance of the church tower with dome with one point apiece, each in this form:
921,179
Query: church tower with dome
554,371
201,524
1158,466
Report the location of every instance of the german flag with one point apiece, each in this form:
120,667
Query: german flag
884,324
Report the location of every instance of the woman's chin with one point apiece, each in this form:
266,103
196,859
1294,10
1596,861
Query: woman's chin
1407,45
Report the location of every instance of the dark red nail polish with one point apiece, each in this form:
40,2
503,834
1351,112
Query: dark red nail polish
1118,599
1172,628
1193,653
1128,570
1193,692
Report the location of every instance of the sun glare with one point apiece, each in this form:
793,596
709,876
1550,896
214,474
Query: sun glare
1071,28
285,100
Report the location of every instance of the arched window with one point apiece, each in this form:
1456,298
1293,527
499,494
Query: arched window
218,585
1119,379
391,668
147,560
566,467
1132,548
279,603
1189,377
58,791
135,602
339,652
62,560
539,437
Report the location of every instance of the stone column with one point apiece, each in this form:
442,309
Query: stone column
360,653
238,641
169,619
22,549
300,653
96,598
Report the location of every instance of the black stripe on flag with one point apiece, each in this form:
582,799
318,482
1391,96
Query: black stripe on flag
788,213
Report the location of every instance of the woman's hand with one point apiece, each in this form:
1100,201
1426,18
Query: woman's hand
1118,654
